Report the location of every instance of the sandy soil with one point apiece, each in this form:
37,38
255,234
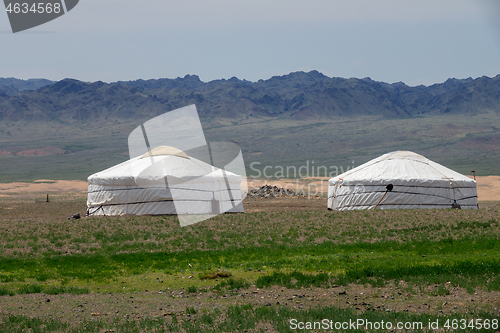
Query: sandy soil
488,187
43,186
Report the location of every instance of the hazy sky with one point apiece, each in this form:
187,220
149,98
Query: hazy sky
414,41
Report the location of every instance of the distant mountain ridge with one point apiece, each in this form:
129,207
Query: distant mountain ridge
70,129
296,96
11,86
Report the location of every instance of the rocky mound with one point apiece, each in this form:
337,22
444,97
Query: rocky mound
268,191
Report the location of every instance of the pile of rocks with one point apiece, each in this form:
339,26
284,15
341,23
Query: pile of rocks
268,191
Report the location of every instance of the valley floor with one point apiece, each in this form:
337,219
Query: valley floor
488,187
285,259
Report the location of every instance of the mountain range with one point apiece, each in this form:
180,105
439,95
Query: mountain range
286,119
296,96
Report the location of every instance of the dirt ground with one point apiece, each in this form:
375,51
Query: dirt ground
488,187
77,308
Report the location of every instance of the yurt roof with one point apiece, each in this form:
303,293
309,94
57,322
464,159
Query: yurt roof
156,164
165,151
402,167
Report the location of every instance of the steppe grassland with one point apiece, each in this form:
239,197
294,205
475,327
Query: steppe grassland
422,252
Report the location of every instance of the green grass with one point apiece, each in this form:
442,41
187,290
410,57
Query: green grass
56,290
293,280
30,289
4,291
465,262
440,291
232,284
49,290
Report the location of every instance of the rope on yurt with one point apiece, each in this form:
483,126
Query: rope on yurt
452,184
389,189
454,204
92,213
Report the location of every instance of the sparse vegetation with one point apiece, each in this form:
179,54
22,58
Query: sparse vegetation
389,256
234,319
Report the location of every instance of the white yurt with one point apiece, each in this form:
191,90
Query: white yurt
163,181
401,179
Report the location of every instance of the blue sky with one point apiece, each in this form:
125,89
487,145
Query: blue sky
413,41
